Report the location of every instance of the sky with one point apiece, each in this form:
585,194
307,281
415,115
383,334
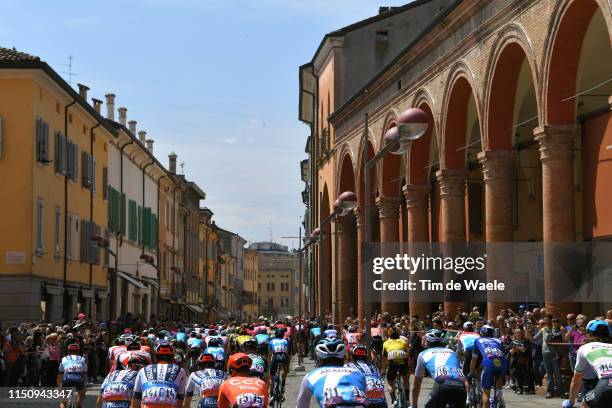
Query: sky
214,81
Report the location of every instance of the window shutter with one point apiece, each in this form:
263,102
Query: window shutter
117,212
96,249
122,214
109,206
64,154
46,154
83,248
133,226
75,161
153,240
84,166
38,138
93,174
139,225
104,183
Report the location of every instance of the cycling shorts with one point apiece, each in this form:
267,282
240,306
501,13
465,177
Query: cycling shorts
393,369
442,395
208,402
70,383
278,359
495,367
601,395
467,360
377,344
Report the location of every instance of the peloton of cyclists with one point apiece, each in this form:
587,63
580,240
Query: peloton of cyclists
205,383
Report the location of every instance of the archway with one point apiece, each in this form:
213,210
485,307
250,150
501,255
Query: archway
325,291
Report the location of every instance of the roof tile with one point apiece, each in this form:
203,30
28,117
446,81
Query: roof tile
11,54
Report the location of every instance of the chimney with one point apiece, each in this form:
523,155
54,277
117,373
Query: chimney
142,136
384,9
150,145
122,115
97,105
110,106
83,91
132,124
172,162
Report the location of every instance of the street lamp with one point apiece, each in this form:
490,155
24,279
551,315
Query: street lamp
346,202
101,242
411,125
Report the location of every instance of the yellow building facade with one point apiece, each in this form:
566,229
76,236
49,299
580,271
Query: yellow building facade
53,157
250,292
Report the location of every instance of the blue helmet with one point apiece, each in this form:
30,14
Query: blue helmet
599,328
487,331
330,348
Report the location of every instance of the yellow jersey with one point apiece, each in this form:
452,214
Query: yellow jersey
242,338
396,350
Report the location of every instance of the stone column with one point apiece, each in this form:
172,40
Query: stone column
361,284
346,267
559,223
417,204
497,171
388,208
452,210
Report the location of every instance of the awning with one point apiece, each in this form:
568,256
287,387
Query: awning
196,308
150,281
131,280
52,290
101,294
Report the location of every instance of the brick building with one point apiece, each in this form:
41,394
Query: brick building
517,95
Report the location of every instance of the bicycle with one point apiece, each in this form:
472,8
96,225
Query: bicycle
497,399
400,396
475,394
277,391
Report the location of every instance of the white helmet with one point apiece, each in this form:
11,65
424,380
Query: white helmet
330,348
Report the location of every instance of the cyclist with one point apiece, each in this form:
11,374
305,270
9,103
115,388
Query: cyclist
351,338
315,336
395,360
195,350
465,344
488,354
376,344
330,383
161,384
115,351
443,366
263,339
241,338
133,348
205,382
597,356
241,390
116,390
215,347
330,332
194,338
73,372
375,385
259,367
279,356
301,338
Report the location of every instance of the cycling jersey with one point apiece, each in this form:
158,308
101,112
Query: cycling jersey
262,338
116,390
494,362
331,333
243,392
121,362
113,353
195,342
315,331
375,386
181,337
160,385
74,369
280,354
442,364
352,339
259,366
219,354
333,386
466,341
205,383
278,346
242,338
396,350
596,355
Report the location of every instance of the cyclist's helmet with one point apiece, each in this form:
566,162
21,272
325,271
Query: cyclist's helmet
393,332
207,360
241,331
215,342
249,346
239,361
487,331
279,333
359,352
132,343
599,328
164,349
137,362
212,332
468,326
330,349
74,348
435,336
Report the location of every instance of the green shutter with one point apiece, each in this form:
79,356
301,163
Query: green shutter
146,227
111,208
139,223
122,214
153,242
133,229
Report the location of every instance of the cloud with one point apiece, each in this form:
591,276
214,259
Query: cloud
229,140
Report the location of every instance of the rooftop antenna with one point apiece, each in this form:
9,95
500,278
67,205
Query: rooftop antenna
182,166
69,72
271,237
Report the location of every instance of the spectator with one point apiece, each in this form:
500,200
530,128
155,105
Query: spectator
550,332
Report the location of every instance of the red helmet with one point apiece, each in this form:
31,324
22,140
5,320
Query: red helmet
74,347
238,361
359,352
164,349
206,358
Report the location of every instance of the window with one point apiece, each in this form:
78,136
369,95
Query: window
89,253
72,166
272,285
39,226
69,243
104,183
58,227
60,153
93,174
122,213
87,169
42,141
133,225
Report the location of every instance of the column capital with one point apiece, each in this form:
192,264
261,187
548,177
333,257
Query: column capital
359,215
496,164
556,141
388,207
416,195
452,181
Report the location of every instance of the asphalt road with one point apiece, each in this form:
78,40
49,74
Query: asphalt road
295,378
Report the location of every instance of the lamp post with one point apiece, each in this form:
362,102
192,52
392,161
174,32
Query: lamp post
104,243
411,125
346,202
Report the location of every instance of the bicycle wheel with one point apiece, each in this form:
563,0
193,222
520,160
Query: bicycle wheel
399,393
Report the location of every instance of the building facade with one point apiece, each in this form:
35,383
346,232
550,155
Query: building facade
250,292
516,147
